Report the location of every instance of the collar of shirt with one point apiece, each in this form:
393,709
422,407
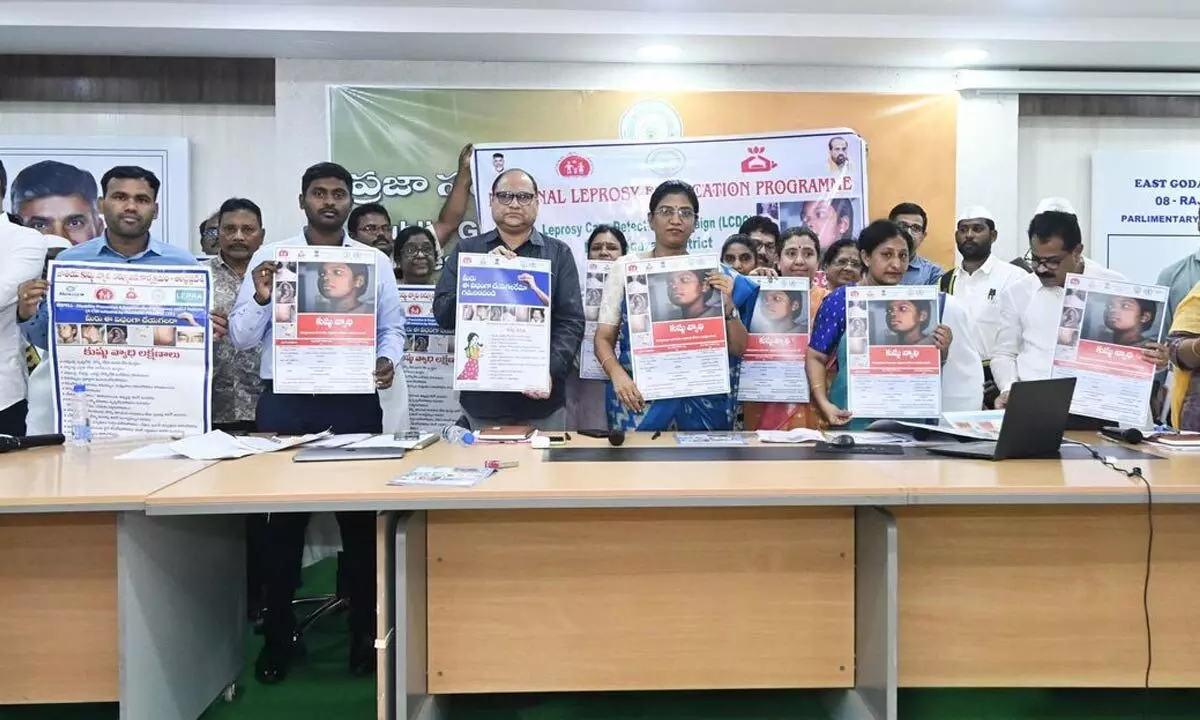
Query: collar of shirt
918,262
493,240
986,268
98,248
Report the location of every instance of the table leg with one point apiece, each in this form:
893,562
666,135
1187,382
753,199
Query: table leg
412,700
181,584
876,620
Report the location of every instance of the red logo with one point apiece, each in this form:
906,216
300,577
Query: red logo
131,295
414,309
1074,281
283,253
104,294
757,162
633,268
574,165
466,260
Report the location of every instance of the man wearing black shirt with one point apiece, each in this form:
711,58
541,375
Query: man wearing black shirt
514,205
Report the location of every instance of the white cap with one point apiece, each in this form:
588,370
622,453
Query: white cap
974,212
1055,204
55,242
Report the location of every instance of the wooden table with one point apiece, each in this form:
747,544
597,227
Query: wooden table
558,576
104,604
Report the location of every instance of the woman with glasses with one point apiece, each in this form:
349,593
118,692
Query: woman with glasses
416,255
841,264
586,403
885,250
673,211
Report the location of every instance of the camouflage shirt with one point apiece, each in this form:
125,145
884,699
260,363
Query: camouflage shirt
236,381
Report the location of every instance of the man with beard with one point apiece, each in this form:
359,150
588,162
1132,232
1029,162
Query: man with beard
839,155
371,225
979,280
129,202
325,199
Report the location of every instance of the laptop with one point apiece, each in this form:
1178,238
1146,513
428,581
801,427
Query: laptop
1034,422
319,454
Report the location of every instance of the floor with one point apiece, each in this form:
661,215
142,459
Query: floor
320,688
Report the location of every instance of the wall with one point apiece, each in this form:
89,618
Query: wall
988,168
232,147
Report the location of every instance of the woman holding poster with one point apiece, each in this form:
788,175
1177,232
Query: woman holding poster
885,251
586,404
673,212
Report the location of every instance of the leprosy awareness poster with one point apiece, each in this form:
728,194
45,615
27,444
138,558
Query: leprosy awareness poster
816,179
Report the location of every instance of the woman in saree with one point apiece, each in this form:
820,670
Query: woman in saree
1183,343
674,209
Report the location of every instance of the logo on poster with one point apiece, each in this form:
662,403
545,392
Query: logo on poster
414,309
574,165
466,260
131,294
758,162
105,294
666,162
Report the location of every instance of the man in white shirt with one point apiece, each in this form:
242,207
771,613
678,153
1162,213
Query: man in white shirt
24,252
978,280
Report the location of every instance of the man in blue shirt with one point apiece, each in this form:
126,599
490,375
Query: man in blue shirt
129,202
912,219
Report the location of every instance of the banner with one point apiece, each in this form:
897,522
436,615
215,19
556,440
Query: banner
895,369
773,366
676,327
502,333
137,338
1103,326
1144,210
428,363
54,182
593,293
402,144
323,305
813,179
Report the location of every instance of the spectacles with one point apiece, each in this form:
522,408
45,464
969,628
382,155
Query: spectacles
1050,263
666,213
414,250
210,233
846,263
505,197
375,229
911,228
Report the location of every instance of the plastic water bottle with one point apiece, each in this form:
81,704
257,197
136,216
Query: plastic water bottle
457,435
81,426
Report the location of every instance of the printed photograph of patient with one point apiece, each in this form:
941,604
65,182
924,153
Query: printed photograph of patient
683,295
780,312
902,322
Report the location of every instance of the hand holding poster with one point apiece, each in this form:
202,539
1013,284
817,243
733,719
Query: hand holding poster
323,305
428,363
773,366
502,333
593,292
895,368
676,327
138,339
1103,327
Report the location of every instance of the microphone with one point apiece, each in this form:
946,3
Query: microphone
616,438
8,443
1132,435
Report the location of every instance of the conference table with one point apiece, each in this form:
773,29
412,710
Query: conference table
655,567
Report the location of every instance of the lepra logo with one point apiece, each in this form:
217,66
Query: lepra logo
757,161
574,165
105,294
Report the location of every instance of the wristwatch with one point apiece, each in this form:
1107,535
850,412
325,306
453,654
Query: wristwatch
732,314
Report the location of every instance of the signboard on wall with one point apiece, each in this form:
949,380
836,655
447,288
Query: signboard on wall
1145,210
54,182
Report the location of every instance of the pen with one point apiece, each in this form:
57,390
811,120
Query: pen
656,434
500,464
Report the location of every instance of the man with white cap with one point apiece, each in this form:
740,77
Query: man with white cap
1030,308
978,281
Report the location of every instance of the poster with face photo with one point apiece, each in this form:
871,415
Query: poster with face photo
54,182
773,366
676,327
895,368
593,291
428,362
323,311
1103,327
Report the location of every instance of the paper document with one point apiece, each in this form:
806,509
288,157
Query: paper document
443,476
799,435
720,439
218,445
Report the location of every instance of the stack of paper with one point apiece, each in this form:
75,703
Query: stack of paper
443,476
218,445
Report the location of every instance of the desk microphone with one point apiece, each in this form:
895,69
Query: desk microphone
8,443
616,438
1132,435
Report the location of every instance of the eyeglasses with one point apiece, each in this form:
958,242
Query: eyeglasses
210,233
505,197
847,263
415,250
375,229
1050,263
666,213
911,228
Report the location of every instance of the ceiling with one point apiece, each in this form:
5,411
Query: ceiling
1018,34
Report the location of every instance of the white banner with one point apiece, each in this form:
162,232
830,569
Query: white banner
1144,210
137,337
1103,326
323,304
773,366
815,178
593,292
428,363
677,342
502,333
895,369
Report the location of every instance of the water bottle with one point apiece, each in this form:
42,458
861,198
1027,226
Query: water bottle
81,426
457,435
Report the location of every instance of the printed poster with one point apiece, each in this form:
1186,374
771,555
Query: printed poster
773,366
138,338
1103,326
593,292
428,363
323,306
895,368
676,327
502,334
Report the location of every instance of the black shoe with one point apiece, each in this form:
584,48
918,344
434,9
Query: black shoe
362,655
274,662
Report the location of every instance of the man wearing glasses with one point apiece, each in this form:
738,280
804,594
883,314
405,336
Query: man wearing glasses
514,206
371,225
912,219
1030,307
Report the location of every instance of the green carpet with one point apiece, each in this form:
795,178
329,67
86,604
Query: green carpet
320,688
